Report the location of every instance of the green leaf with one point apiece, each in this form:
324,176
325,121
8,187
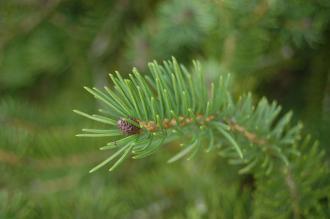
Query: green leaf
231,140
248,167
183,152
117,153
150,149
121,159
123,141
211,142
97,118
99,134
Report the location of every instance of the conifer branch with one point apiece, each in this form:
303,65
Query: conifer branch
174,103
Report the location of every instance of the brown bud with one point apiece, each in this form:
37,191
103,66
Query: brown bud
127,128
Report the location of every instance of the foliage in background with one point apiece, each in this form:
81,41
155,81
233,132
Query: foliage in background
49,49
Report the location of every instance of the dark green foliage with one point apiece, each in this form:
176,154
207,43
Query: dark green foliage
49,49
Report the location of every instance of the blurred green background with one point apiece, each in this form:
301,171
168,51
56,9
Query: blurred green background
49,49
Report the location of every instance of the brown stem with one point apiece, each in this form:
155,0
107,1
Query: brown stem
250,136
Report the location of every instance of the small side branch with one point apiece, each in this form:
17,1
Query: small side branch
291,184
252,137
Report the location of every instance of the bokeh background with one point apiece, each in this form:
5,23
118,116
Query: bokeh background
50,49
